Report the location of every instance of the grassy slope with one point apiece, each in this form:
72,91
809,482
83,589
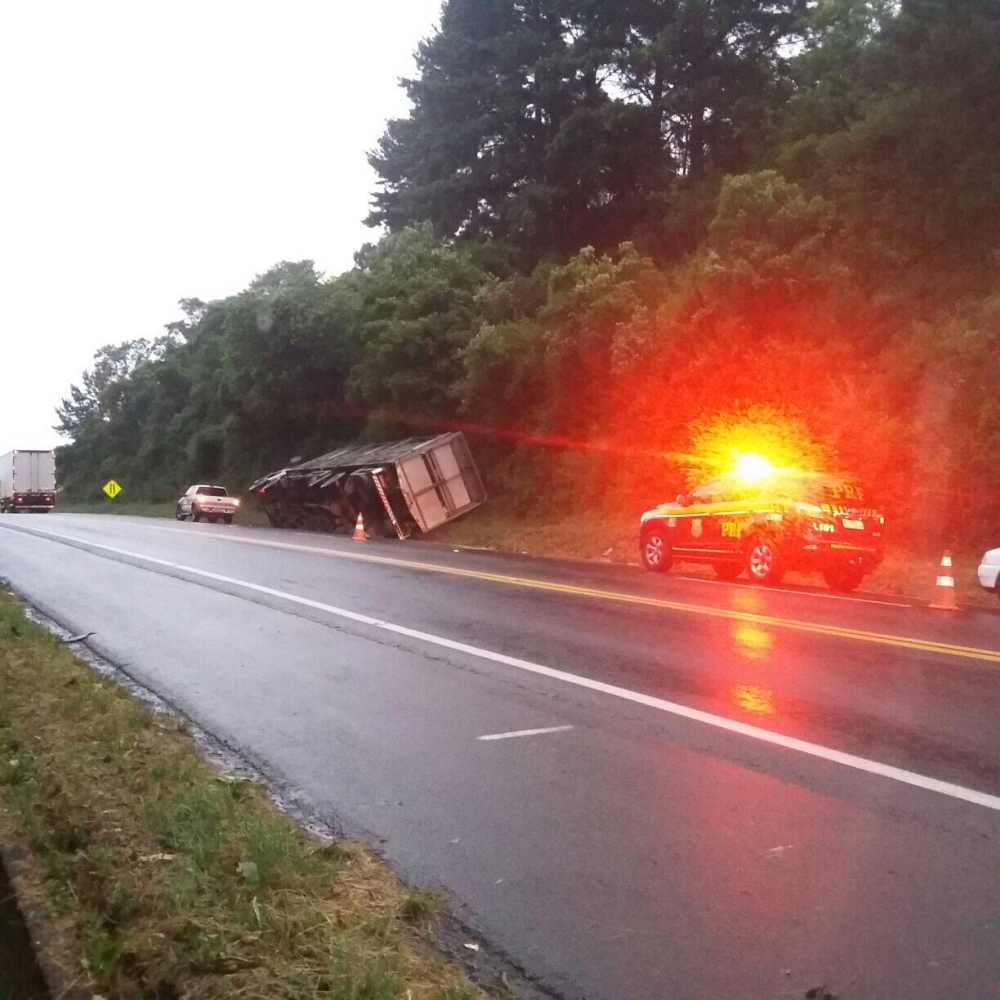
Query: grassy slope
249,514
164,878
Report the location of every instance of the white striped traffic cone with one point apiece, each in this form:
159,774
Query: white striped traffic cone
359,530
944,588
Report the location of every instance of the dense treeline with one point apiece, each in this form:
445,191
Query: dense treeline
613,227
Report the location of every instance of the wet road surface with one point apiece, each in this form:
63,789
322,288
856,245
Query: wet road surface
691,789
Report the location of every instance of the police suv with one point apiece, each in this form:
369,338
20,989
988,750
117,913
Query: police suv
786,521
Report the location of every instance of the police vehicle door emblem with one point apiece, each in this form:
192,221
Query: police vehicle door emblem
696,528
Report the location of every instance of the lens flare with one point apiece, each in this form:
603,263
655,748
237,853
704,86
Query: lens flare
753,468
751,446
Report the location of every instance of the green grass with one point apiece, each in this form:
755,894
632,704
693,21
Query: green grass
164,878
249,515
135,509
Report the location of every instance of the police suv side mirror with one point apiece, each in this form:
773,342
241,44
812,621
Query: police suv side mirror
683,499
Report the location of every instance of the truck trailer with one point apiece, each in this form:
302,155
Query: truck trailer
400,488
27,481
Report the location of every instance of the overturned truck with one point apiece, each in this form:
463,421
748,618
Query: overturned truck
400,488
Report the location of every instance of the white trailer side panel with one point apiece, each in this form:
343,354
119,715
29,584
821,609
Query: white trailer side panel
421,494
7,474
34,471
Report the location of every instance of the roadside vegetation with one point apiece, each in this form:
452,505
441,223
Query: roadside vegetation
249,513
162,877
608,228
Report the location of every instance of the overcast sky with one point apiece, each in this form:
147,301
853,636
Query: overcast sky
154,151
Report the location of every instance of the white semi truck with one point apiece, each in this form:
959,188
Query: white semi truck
27,481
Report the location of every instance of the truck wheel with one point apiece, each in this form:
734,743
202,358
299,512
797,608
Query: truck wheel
228,518
728,571
764,562
195,512
843,579
656,551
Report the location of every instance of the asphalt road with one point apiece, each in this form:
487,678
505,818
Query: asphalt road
745,793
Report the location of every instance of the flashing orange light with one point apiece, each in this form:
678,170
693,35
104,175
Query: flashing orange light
753,468
751,445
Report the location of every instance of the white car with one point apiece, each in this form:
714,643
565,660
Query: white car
212,502
989,572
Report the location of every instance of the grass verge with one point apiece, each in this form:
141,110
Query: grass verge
249,514
118,507
161,877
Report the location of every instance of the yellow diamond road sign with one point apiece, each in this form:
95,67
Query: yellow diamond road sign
111,488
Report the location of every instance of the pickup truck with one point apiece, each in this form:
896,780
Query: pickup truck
203,500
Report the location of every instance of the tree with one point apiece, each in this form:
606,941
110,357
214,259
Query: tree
416,312
554,124
708,72
898,123
101,393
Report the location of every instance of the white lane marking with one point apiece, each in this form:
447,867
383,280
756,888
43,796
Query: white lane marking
671,708
524,732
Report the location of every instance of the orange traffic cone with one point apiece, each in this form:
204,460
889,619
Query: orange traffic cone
359,530
944,588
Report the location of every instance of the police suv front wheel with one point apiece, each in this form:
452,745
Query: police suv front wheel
655,551
763,561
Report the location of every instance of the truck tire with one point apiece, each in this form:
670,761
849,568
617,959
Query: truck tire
195,512
274,517
228,518
764,561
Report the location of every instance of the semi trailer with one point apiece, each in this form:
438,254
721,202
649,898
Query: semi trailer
400,488
27,481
